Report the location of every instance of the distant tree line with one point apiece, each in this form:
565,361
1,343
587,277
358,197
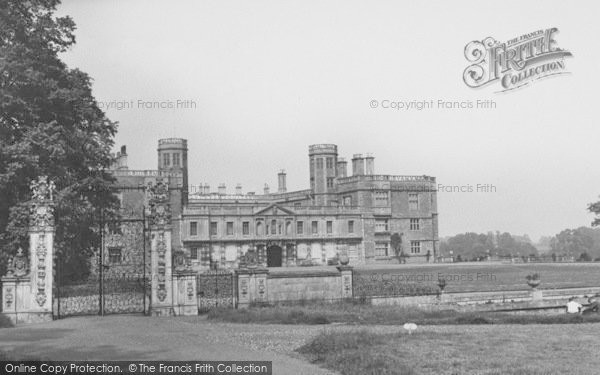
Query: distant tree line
582,243
476,247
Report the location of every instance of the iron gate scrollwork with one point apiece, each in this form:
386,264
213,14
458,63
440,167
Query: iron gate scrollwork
215,289
118,282
125,293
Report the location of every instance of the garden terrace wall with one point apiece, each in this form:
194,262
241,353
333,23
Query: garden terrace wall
301,286
275,286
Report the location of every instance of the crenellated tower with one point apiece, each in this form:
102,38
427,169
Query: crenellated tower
323,171
173,156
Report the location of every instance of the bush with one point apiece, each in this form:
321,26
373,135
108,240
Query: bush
352,312
5,322
472,319
355,352
269,315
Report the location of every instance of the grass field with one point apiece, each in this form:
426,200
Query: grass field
355,313
476,277
491,350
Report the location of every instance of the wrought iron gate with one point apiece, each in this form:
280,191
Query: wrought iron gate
110,295
119,283
215,289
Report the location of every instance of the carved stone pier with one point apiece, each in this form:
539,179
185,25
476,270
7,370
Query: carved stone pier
27,287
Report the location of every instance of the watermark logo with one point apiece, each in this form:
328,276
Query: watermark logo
515,63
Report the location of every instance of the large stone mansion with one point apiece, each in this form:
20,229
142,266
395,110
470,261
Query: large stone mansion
340,214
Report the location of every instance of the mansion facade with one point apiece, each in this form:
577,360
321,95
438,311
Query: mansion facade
367,217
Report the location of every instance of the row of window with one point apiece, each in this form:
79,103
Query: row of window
202,254
328,163
382,199
381,225
272,228
382,249
329,182
167,160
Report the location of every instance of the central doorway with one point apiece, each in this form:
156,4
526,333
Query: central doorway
274,256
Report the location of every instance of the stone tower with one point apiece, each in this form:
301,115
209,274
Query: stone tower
173,156
323,171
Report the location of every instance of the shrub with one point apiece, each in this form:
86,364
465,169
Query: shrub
5,322
472,319
357,352
335,342
277,315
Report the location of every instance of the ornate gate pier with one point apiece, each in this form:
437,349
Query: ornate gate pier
173,293
30,292
27,288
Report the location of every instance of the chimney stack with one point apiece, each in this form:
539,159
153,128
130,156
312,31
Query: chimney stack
266,189
370,164
358,165
206,189
342,168
281,182
238,189
222,189
121,159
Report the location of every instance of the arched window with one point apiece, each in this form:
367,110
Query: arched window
288,228
259,228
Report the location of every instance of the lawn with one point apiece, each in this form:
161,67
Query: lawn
506,350
355,313
474,277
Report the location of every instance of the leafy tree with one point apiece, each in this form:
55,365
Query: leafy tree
571,242
396,243
50,124
595,209
476,247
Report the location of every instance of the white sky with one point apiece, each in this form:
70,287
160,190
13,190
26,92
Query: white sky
270,78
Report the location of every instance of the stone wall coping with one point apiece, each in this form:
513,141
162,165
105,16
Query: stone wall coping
303,274
16,279
568,291
38,229
251,271
530,308
184,273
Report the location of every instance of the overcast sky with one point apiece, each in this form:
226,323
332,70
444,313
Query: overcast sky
270,78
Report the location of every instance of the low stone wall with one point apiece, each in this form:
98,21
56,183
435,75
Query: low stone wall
564,294
549,301
304,286
266,286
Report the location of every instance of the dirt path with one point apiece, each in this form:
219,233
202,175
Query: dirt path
143,338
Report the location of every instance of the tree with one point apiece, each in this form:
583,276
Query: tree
50,124
476,247
595,209
572,241
396,243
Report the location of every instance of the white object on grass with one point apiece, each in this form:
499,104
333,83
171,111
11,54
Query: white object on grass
410,327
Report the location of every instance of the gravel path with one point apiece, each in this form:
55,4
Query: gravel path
122,337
